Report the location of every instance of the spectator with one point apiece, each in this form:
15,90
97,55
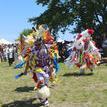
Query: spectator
10,55
5,49
15,50
1,53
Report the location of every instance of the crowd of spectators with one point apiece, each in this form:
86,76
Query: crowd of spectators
8,53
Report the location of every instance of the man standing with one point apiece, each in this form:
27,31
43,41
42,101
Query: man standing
10,55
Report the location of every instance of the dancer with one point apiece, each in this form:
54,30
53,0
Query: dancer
85,54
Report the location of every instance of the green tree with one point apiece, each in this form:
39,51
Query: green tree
61,14
26,32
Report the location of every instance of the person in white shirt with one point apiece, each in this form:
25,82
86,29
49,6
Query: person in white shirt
10,55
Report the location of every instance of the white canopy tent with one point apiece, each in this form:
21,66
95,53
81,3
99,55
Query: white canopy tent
4,41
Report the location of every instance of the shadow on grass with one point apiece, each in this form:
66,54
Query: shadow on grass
77,74
23,103
24,89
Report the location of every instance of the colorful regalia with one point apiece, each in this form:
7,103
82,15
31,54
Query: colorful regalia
40,55
85,54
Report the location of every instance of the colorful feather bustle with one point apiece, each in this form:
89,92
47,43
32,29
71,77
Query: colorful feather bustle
84,51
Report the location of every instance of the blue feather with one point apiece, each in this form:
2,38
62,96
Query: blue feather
20,65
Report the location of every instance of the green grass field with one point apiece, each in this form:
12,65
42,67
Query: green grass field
71,91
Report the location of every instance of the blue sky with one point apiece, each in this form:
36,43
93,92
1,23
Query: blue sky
14,15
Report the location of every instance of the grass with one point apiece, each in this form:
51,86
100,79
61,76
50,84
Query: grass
71,91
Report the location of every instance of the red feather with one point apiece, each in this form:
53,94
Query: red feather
79,36
90,31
